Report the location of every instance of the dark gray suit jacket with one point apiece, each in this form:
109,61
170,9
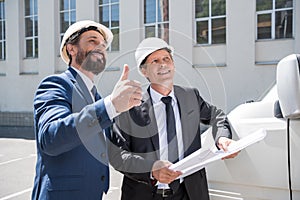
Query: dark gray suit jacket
137,147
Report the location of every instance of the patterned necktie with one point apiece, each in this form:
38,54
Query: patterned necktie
95,93
172,138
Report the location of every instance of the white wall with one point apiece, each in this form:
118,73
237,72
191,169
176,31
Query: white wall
226,75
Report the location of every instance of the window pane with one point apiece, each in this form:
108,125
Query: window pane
4,49
163,31
2,10
64,22
264,5
163,11
72,4
114,1
29,52
35,11
115,42
284,24
149,31
114,15
73,17
218,31
264,26
2,31
28,7
36,47
104,15
150,13
202,8
36,28
103,2
218,7
284,4
1,52
202,32
28,27
64,5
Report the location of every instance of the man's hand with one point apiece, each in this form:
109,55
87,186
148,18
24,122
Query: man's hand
162,173
223,144
126,93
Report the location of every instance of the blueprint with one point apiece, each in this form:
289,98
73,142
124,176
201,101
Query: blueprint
201,158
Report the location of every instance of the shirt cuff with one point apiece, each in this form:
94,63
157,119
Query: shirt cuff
110,109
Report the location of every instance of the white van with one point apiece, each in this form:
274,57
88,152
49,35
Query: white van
269,169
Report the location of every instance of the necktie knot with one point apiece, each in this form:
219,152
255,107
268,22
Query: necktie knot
94,90
166,100
95,93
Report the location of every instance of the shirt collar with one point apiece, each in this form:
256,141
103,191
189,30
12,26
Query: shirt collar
156,97
87,81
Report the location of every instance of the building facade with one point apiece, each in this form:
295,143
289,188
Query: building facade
226,49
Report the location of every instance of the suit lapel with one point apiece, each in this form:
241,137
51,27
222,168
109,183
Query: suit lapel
79,85
184,110
152,127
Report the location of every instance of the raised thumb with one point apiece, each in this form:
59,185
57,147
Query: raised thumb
125,73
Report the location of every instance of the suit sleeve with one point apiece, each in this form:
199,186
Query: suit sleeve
216,118
134,165
58,127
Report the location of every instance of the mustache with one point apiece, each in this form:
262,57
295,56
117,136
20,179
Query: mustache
89,53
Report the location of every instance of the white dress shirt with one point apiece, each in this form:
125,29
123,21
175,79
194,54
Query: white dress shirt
160,115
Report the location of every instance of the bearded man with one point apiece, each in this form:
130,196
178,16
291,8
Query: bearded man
71,119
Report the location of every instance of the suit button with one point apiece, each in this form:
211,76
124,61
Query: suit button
103,155
102,178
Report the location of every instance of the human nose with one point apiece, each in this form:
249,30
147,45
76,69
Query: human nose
101,47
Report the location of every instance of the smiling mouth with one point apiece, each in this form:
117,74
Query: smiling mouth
98,54
164,72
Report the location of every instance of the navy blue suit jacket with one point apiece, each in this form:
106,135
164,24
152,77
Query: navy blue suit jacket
71,147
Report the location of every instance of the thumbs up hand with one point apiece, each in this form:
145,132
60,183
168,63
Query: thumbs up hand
126,93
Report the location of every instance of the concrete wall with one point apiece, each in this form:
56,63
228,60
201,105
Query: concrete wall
226,75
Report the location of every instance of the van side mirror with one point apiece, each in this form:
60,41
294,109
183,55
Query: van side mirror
288,85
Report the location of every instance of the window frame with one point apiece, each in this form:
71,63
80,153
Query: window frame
33,37
157,23
273,22
3,38
68,11
110,4
209,20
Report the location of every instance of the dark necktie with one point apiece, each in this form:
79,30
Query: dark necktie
171,135
95,93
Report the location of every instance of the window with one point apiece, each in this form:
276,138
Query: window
274,19
109,17
2,31
156,19
210,21
31,29
67,10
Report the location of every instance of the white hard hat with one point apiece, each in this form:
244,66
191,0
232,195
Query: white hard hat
78,28
148,46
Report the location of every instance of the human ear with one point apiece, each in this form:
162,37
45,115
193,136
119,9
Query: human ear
71,49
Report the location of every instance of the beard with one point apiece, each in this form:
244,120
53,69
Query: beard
92,61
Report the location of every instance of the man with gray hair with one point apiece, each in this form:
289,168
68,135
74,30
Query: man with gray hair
163,130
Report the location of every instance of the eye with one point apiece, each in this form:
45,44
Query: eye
92,41
154,61
167,59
